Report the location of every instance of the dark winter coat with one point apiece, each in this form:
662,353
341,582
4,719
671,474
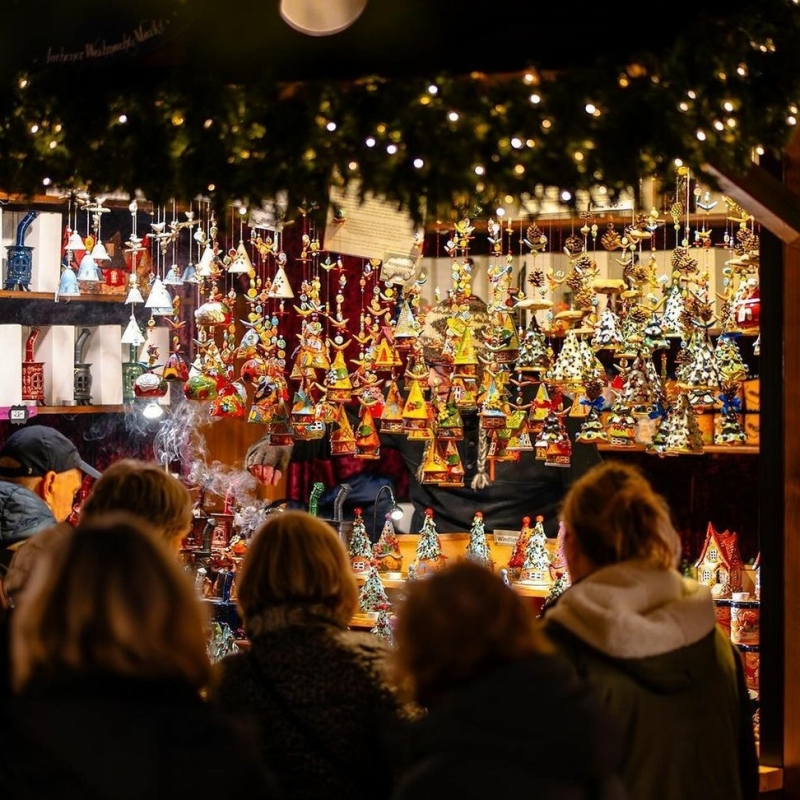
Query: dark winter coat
647,640
22,513
528,729
322,700
112,738
520,488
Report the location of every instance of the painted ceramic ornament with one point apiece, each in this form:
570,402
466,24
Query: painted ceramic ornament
148,384
252,370
201,387
212,313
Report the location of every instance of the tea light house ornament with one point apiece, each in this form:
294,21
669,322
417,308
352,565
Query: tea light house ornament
32,372
20,258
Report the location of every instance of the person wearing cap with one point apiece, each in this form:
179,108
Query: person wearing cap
41,471
525,487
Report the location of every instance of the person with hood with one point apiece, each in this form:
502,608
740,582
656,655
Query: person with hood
505,714
646,637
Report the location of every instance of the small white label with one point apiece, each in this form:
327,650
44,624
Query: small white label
506,537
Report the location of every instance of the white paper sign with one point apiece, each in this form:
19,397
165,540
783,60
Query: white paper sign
373,229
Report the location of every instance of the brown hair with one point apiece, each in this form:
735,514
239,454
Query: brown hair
145,489
109,597
615,515
458,624
296,558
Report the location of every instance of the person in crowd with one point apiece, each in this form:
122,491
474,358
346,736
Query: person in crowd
321,692
505,715
41,472
140,487
524,487
647,638
144,488
109,661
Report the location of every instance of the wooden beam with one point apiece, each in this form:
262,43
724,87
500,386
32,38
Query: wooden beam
768,199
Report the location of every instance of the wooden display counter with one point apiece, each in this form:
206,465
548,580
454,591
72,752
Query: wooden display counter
454,546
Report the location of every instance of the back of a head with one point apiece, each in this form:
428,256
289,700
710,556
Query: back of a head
297,559
616,515
110,599
457,625
145,489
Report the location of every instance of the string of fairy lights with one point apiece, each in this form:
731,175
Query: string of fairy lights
434,145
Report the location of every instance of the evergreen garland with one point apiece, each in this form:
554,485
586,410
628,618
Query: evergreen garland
724,87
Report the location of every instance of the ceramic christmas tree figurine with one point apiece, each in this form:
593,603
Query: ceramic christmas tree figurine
568,367
621,425
699,368
730,430
592,429
673,318
372,594
478,547
684,434
383,626
429,556
518,553
654,338
534,353
729,360
639,394
558,564
360,549
558,587
387,549
536,566
607,335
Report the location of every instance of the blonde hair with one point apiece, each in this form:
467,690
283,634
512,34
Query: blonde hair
457,625
145,489
616,515
110,598
296,558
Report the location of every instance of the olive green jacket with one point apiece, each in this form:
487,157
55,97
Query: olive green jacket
648,641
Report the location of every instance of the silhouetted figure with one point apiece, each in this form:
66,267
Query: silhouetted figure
647,638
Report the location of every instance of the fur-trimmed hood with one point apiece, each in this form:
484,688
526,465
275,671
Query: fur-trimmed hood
632,610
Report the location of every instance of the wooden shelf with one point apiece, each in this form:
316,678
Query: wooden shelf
92,298
709,449
81,409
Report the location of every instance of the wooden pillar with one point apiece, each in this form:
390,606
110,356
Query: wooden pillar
788,384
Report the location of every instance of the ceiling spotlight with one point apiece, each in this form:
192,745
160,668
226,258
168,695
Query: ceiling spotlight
321,17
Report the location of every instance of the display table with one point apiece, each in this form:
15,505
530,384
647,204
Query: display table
454,546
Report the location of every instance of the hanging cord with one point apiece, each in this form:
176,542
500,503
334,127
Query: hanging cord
481,479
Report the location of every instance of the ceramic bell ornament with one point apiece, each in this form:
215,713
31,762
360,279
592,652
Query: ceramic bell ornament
173,276
89,275
240,263
159,301
134,295
68,285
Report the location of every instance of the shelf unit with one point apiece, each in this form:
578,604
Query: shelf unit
709,449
